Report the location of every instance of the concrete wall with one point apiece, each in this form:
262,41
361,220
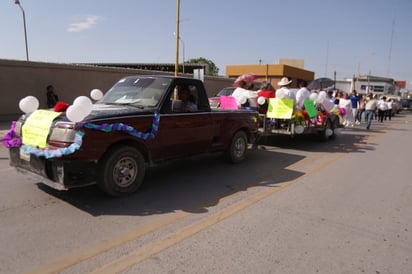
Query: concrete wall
19,79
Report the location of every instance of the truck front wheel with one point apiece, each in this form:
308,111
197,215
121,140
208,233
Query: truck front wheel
121,171
236,152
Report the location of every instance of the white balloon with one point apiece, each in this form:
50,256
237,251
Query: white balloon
261,100
75,114
83,101
299,129
29,104
313,97
321,97
96,94
280,93
329,132
242,100
328,105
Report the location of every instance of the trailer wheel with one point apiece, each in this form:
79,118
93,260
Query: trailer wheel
327,131
121,171
335,123
236,152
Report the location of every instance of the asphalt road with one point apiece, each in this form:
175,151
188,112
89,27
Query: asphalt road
294,206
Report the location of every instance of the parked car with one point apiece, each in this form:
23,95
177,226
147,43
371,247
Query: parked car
214,101
396,106
406,103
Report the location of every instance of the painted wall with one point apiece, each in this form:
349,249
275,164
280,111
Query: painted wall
19,79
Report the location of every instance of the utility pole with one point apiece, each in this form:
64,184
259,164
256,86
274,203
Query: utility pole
177,37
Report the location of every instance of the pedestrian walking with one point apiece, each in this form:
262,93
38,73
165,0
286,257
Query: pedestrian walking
382,108
361,109
390,109
355,98
370,108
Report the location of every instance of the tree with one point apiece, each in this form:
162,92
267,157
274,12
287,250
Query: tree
212,69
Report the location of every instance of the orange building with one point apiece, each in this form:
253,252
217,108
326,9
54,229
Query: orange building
272,73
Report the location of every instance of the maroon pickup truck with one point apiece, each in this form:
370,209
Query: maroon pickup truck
140,121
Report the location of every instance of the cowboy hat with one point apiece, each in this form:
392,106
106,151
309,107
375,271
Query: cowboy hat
284,81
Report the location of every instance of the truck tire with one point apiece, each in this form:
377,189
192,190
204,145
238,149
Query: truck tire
236,152
121,171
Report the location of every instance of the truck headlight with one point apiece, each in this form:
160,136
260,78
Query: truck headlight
63,132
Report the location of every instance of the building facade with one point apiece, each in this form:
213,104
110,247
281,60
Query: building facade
272,73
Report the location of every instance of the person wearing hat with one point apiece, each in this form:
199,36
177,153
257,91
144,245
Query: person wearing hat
284,90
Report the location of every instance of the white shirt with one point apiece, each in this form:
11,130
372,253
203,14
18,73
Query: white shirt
346,104
287,93
382,105
301,95
239,94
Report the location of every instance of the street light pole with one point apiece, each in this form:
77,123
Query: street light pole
17,2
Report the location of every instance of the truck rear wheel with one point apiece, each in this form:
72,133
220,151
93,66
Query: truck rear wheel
121,171
236,152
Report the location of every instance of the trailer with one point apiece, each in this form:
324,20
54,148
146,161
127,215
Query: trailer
281,118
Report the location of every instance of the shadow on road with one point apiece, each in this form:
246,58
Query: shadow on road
191,185
196,183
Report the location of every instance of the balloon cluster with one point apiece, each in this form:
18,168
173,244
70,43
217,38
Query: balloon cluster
81,107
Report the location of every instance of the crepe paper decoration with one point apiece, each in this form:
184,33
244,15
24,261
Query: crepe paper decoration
228,102
54,153
299,118
321,118
60,106
37,127
127,129
10,139
310,108
280,108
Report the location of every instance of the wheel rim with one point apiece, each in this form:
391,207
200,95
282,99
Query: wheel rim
328,127
240,147
125,172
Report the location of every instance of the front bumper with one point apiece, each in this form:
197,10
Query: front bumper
56,173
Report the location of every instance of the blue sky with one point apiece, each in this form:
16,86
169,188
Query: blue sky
330,35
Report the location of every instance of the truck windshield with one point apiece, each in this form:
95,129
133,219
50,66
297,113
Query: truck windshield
138,91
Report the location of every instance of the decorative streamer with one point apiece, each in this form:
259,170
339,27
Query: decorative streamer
128,129
53,153
10,139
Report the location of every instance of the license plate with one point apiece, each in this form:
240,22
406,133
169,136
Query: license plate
24,156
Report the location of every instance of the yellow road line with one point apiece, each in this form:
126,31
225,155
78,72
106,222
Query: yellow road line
147,251
86,254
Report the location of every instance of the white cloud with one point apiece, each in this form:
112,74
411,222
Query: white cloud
84,24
